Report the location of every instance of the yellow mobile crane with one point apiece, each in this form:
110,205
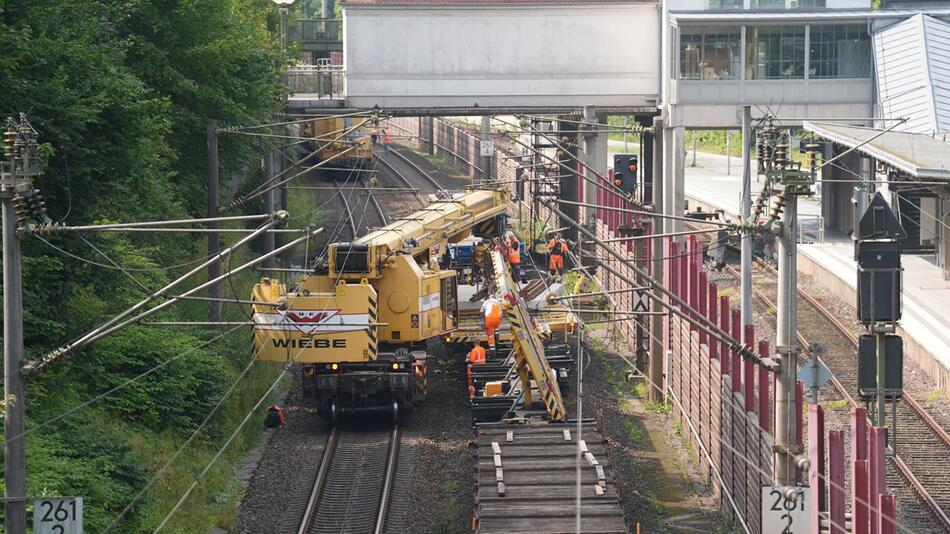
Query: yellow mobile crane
359,323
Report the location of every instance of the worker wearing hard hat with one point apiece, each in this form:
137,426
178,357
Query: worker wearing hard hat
491,311
557,248
475,357
514,256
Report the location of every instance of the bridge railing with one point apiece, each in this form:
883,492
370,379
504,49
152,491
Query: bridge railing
316,81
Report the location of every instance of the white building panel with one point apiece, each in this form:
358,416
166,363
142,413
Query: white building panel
912,59
502,55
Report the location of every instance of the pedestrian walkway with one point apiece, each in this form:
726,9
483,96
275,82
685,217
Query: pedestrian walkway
926,296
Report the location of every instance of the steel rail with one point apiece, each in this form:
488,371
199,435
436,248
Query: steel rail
902,467
318,484
388,481
399,176
419,170
346,207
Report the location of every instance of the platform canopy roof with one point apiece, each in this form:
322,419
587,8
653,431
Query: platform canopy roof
919,155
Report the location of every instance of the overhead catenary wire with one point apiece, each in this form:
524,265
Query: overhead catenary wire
110,326
738,454
201,475
700,321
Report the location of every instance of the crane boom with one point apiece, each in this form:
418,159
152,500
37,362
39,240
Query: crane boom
440,222
359,324
528,349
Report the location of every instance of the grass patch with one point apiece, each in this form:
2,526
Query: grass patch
641,389
447,522
838,404
634,432
441,162
658,511
659,407
770,310
678,429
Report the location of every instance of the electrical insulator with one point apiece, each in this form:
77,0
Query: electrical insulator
781,155
38,207
778,206
760,202
9,139
811,156
20,208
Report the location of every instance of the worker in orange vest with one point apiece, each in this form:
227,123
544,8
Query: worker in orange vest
275,417
475,357
557,249
514,256
491,310
387,140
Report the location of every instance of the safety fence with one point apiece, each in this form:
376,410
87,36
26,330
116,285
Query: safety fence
453,142
723,402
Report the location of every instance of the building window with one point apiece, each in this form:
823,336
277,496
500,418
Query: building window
725,4
839,51
768,4
775,53
710,53
807,4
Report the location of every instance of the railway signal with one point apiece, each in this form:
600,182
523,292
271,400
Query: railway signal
625,171
880,355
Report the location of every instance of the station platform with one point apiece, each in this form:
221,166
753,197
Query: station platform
829,259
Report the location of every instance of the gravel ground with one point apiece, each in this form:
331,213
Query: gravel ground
660,487
440,437
279,471
917,383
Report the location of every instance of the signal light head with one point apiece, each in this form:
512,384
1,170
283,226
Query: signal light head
618,183
395,366
334,366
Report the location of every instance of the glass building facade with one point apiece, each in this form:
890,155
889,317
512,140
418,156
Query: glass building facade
711,53
839,51
774,52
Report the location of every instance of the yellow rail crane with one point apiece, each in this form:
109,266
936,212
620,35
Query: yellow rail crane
531,363
359,324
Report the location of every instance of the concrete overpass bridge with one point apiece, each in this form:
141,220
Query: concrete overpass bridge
451,57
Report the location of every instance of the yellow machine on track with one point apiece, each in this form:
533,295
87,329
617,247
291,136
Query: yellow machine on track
360,323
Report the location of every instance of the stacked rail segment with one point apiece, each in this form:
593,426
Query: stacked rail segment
527,480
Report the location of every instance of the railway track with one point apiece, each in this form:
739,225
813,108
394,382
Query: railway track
372,199
402,179
346,208
922,461
352,488
432,181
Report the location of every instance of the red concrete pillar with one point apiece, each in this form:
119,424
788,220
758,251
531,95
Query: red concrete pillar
765,409
859,497
712,312
724,365
701,302
876,477
799,417
736,371
693,279
600,202
859,434
673,265
816,454
684,276
748,369
888,507
836,482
